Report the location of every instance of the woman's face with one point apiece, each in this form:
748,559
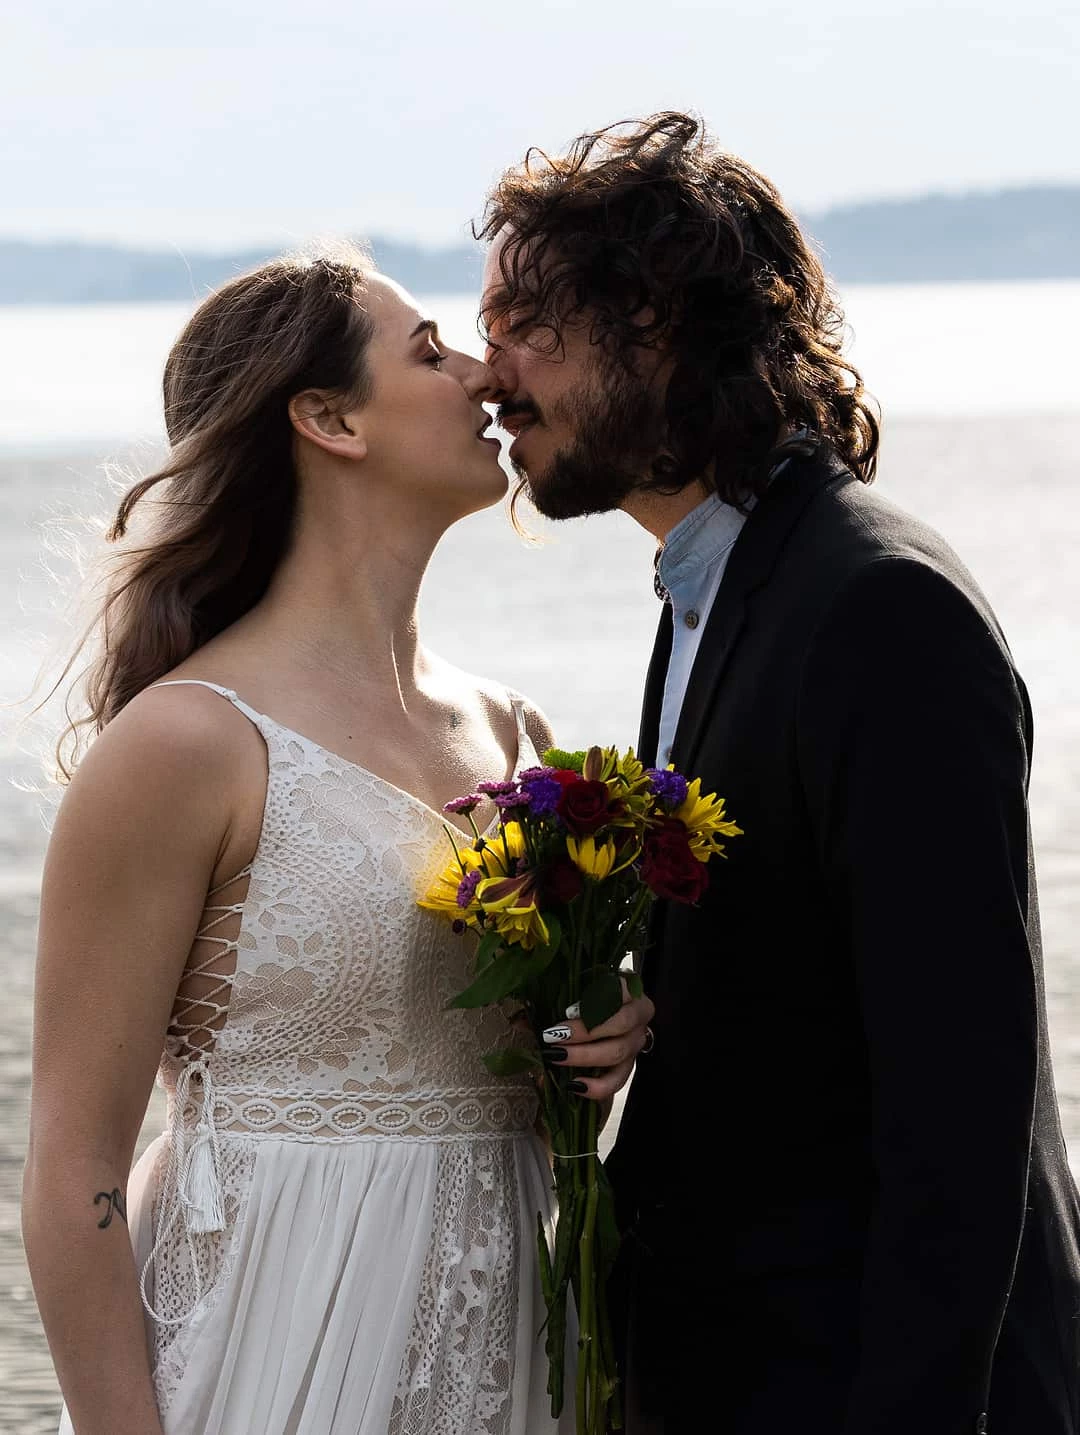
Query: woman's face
424,421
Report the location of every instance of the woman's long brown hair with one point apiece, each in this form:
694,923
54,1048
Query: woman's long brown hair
223,501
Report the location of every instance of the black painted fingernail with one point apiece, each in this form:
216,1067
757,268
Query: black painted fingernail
555,1053
578,1088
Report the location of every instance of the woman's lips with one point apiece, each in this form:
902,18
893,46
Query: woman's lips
489,439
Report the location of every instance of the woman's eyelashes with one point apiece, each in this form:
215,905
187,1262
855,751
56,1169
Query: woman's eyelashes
435,359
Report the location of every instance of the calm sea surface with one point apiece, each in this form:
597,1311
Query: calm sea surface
979,384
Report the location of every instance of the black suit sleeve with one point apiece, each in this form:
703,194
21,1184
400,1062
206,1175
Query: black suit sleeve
914,747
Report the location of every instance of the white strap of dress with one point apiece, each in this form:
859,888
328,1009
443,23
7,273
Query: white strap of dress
526,750
228,693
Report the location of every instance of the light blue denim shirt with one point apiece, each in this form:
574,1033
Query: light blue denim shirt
691,565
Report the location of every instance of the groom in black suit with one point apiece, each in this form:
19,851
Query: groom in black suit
840,1170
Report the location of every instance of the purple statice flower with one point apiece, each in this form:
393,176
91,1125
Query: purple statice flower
467,887
511,801
669,787
543,789
464,804
495,789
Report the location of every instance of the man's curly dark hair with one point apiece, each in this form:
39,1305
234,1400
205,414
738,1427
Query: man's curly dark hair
656,238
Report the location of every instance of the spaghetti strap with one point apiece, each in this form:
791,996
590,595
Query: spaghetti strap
518,704
227,693
527,752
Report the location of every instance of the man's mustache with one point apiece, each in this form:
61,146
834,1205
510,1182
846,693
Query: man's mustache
516,408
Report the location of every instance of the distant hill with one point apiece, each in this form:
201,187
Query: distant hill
1028,233
70,272
1008,234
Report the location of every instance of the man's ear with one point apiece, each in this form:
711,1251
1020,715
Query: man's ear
317,418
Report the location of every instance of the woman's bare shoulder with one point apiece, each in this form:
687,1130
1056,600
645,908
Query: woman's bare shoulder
184,741
494,700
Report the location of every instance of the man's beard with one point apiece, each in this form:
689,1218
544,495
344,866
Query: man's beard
615,427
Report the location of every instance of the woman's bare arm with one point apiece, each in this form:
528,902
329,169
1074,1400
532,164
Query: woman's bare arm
137,839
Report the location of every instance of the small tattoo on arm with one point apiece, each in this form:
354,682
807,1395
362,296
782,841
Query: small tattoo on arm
454,719
115,1202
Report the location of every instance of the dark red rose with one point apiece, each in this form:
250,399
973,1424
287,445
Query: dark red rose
585,806
561,881
669,867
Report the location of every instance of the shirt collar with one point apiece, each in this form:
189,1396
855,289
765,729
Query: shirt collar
698,541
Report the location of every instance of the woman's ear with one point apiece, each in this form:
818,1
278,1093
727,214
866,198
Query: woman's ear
315,417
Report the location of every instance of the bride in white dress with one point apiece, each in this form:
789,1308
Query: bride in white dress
336,1233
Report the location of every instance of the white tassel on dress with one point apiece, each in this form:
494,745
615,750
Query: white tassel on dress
191,1191
200,1181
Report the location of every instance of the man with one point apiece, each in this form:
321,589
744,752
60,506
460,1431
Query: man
840,1170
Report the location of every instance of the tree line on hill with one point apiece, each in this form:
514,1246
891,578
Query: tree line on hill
1025,233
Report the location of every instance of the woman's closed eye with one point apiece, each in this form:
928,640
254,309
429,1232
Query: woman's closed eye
435,358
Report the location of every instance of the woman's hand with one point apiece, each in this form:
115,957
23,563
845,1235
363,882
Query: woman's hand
611,1048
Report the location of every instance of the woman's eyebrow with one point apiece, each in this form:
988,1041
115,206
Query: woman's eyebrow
428,324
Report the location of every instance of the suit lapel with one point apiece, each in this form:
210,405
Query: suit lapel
750,566
649,732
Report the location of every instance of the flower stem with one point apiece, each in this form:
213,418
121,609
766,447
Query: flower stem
588,1408
627,929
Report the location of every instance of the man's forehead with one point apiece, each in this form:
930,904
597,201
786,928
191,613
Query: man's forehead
492,275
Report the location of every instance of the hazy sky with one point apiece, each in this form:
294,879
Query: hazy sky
211,125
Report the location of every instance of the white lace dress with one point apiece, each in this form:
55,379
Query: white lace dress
337,1231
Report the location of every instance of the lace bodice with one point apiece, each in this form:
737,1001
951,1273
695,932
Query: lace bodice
328,1005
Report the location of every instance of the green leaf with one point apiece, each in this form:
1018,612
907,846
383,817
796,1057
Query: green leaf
542,957
544,1254
601,999
634,984
554,927
499,979
511,1061
490,943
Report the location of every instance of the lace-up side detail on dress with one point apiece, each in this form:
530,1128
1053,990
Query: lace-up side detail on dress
336,1231
202,1000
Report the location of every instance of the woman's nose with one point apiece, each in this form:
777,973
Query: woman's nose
485,381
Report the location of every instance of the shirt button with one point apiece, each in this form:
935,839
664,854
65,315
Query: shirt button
693,618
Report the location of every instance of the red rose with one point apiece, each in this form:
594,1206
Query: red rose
565,776
561,881
668,865
585,806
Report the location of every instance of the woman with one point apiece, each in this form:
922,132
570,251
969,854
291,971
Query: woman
336,1233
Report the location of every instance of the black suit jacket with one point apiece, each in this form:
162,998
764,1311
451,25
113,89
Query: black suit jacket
840,1170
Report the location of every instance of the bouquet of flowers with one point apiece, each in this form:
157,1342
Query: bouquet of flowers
558,890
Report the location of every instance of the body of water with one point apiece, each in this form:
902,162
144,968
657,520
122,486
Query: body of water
982,425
